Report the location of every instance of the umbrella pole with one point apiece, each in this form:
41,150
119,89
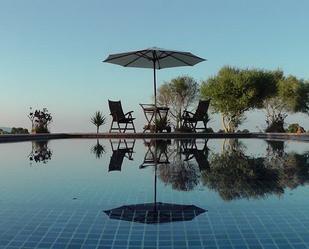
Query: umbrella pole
155,189
155,83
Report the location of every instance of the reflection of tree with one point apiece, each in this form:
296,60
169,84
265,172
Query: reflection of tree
40,152
293,168
235,175
181,174
98,150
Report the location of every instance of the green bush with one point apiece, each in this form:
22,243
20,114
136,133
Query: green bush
295,128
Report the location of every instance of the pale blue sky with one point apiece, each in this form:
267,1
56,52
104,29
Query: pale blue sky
51,51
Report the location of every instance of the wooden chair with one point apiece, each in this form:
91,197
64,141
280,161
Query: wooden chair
120,118
190,120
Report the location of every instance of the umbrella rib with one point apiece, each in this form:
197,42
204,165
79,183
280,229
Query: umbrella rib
191,55
118,57
142,55
188,64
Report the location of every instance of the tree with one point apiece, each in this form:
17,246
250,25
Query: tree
292,95
98,119
178,94
40,120
234,91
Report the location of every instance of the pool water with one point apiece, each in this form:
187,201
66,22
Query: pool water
178,194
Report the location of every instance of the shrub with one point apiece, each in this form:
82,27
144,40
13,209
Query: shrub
40,120
19,130
295,128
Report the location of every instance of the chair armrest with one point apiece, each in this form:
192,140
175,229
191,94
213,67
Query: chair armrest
129,114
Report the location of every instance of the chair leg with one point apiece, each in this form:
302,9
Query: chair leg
125,128
110,129
133,127
119,128
194,126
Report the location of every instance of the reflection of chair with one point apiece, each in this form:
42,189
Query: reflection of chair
122,150
156,153
119,117
190,120
190,150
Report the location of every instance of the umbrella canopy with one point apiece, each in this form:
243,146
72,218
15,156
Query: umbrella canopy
154,213
155,58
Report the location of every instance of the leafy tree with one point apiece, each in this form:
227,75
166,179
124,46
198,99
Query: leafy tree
178,94
40,119
292,95
98,119
234,91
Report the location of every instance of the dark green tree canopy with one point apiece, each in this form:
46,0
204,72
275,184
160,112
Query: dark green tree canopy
234,91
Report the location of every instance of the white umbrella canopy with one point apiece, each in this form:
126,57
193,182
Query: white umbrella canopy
155,58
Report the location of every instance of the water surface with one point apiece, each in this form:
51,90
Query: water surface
226,194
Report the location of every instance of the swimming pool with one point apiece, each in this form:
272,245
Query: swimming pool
87,193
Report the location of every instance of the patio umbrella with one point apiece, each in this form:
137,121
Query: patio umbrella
155,58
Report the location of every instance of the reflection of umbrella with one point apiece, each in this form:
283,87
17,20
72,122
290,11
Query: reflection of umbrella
156,212
155,58
152,213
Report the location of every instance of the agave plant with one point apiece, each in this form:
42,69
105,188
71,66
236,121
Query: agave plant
98,119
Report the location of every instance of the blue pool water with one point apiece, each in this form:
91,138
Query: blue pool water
154,194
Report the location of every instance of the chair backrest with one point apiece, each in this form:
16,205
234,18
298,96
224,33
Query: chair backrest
116,110
202,109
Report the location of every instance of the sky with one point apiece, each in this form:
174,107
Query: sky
51,52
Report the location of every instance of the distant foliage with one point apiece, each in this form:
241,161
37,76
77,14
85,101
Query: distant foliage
295,128
19,130
40,120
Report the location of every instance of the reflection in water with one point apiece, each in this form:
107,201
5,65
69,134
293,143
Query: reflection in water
157,152
292,168
183,172
186,164
236,175
40,152
154,213
98,150
121,149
